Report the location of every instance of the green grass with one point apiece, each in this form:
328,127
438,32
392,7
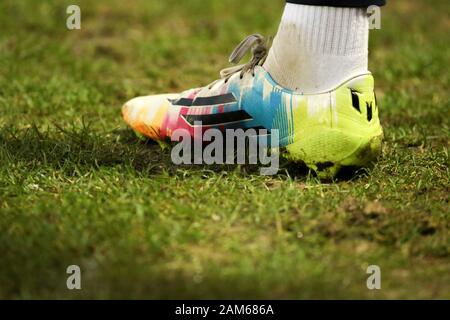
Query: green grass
76,187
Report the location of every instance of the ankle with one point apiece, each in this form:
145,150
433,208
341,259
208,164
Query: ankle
316,48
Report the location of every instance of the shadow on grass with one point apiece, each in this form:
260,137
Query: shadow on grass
77,150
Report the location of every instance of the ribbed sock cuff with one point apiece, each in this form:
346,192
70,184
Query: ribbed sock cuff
327,30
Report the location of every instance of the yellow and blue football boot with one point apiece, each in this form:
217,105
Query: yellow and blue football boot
326,131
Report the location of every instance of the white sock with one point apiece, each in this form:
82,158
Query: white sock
318,47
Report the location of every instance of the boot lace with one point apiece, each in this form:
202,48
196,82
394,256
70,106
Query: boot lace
259,47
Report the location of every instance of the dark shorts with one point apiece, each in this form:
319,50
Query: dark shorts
340,3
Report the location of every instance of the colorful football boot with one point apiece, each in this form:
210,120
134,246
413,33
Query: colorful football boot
326,131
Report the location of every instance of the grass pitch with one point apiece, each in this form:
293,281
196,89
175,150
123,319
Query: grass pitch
76,187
